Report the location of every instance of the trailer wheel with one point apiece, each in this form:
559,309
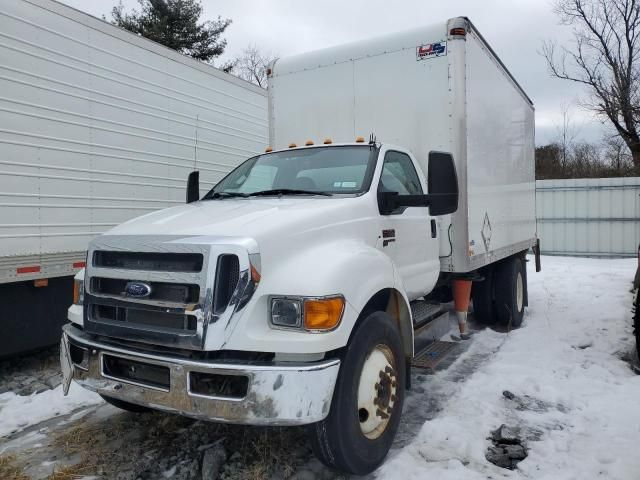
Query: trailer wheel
482,294
510,288
122,405
367,400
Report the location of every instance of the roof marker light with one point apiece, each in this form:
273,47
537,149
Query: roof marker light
458,31
328,141
359,139
292,145
308,143
268,150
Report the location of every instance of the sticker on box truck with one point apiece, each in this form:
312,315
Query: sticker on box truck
431,50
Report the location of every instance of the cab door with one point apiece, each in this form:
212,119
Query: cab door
409,234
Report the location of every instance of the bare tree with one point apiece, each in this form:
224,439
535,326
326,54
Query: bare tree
605,57
252,65
617,155
567,133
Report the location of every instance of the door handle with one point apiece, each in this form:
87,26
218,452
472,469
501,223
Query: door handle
434,232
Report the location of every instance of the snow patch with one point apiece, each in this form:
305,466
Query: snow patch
577,402
19,412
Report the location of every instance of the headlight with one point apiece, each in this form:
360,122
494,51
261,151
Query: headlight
78,292
311,314
286,312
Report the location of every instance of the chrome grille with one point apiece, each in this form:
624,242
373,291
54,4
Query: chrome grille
190,287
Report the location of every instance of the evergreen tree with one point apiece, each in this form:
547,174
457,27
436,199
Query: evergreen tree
175,24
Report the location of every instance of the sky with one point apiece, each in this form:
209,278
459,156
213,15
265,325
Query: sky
514,28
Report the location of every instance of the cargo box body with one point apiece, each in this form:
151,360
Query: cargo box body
426,90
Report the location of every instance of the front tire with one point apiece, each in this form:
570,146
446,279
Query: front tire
367,400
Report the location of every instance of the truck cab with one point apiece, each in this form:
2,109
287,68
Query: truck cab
290,292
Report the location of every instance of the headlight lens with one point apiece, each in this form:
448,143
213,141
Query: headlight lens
286,312
78,292
312,314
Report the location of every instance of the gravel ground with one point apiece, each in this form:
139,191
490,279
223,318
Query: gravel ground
33,373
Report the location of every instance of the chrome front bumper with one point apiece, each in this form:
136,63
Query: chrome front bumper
279,394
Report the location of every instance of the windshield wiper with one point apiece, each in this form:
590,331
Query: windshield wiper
288,191
225,195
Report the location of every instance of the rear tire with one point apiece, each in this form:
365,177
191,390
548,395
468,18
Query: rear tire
356,435
122,405
510,288
482,294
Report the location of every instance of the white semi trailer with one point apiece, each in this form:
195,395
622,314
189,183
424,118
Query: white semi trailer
97,125
298,289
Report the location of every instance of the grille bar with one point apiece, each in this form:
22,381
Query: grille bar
227,276
160,291
149,318
150,261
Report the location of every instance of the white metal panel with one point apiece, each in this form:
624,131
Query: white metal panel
98,126
374,86
500,156
594,216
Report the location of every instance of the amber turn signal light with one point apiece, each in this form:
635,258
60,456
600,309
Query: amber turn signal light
76,292
323,313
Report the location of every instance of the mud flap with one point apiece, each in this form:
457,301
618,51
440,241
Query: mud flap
65,364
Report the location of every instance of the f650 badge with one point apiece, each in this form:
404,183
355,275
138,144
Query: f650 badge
431,50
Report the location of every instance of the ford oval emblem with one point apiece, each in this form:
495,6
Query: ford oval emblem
137,289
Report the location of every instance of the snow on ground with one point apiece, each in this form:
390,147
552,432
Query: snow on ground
19,412
578,402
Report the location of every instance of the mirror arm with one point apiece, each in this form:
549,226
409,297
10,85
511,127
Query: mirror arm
389,201
414,200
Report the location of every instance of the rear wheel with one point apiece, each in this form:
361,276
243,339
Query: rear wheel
509,287
367,400
122,405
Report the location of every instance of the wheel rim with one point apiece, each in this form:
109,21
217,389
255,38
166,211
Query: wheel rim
519,292
377,392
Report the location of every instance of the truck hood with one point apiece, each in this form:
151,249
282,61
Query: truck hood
258,218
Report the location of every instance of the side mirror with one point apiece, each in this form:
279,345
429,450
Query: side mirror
193,187
389,202
442,183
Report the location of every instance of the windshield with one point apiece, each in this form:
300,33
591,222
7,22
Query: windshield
322,171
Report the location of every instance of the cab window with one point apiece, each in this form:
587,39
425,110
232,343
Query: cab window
399,175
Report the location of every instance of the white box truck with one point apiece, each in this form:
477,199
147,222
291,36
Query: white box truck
97,125
294,292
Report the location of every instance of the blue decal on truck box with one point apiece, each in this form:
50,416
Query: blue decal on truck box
431,50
